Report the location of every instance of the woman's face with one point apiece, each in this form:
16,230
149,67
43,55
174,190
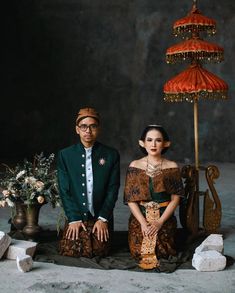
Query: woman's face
154,142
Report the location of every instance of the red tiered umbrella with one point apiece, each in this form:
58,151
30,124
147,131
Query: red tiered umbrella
194,21
195,48
194,83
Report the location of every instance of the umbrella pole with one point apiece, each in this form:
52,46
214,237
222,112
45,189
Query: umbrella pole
196,193
195,108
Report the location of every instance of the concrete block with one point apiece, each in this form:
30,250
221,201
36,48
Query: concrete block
5,241
212,242
21,248
209,261
24,263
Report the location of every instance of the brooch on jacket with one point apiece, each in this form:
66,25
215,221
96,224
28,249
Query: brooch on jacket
102,161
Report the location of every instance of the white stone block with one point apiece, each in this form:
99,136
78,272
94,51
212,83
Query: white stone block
209,261
5,241
212,242
21,248
24,263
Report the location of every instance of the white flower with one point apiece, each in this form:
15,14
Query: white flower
39,185
30,180
10,203
40,199
5,193
21,173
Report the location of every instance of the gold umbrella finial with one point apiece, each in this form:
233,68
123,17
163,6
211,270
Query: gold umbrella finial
194,8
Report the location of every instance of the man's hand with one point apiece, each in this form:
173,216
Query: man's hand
101,230
74,229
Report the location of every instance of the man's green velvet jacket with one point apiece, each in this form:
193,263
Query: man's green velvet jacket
71,167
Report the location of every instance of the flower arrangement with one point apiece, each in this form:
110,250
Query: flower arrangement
30,182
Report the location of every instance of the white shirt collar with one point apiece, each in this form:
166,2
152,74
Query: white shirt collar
88,150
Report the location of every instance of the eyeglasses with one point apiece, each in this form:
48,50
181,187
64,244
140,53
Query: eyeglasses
91,127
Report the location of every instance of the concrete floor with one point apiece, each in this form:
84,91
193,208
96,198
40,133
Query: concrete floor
50,278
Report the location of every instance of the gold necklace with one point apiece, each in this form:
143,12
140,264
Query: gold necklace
153,170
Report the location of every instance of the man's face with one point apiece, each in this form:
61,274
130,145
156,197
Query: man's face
88,130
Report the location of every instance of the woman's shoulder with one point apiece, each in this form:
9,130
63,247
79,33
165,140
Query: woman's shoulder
167,164
140,164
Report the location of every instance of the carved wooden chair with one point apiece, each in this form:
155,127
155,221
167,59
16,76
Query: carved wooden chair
189,207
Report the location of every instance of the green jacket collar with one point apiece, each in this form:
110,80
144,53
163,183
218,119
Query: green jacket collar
82,148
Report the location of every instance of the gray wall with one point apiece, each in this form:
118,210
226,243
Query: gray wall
60,55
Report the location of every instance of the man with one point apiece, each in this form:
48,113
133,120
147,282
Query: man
89,179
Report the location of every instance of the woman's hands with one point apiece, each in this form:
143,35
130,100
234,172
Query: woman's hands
150,230
155,227
145,229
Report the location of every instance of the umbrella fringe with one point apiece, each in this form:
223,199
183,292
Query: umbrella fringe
191,97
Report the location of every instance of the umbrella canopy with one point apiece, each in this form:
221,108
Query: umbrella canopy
195,48
194,21
193,83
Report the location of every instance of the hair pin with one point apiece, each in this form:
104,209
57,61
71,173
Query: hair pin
156,125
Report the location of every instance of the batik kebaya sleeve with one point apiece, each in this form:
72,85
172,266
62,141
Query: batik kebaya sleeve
173,182
136,186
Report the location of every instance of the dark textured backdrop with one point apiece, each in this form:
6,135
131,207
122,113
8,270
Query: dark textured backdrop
60,55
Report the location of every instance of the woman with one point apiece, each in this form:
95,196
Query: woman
152,191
